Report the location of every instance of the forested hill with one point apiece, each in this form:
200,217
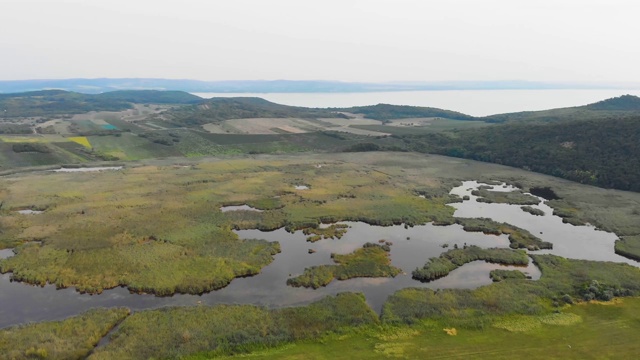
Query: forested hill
151,96
57,102
388,112
603,152
621,103
220,109
622,106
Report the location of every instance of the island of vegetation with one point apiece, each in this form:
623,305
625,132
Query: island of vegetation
330,232
452,259
533,211
372,260
505,197
518,238
500,275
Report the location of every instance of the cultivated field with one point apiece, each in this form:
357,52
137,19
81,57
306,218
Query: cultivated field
291,126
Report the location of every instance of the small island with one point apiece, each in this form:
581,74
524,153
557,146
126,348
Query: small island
372,260
441,266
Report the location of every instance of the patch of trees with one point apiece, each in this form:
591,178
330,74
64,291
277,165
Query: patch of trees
15,129
30,147
151,97
623,106
624,102
162,138
600,291
388,112
360,147
596,152
58,102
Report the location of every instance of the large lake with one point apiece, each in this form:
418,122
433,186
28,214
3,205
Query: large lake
472,102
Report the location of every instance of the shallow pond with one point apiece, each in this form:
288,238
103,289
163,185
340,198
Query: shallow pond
239,207
87,169
29,212
20,303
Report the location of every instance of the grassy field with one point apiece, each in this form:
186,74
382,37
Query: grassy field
421,126
73,338
586,331
224,329
563,281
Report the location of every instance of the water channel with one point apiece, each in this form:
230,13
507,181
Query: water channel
21,303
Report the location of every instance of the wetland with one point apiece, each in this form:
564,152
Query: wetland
355,196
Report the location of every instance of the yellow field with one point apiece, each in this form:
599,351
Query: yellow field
82,140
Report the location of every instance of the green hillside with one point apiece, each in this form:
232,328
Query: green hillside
622,106
389,112
220,109
597,152
151,97
59,102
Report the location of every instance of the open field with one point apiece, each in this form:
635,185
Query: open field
72,338
357,125
176,332
291,126
586,331
421,126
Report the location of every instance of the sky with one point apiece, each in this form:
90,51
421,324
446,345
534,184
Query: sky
344,40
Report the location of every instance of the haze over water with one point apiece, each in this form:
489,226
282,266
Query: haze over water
471,102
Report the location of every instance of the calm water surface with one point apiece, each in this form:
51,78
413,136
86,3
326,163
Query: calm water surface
20,303
88,169
238,207
472,102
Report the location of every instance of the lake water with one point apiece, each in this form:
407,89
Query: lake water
239,207
88,169
472,102
29,212
412,247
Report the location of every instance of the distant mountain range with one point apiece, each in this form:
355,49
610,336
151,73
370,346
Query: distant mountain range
94,86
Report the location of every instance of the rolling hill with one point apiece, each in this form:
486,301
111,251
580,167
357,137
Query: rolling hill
385,112
60,102
622,106
221,109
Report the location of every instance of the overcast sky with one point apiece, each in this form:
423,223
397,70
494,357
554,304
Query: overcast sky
349,40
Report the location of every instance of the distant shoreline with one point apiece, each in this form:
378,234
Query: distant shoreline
294,86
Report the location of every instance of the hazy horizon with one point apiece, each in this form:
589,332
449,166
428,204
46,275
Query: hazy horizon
349,40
